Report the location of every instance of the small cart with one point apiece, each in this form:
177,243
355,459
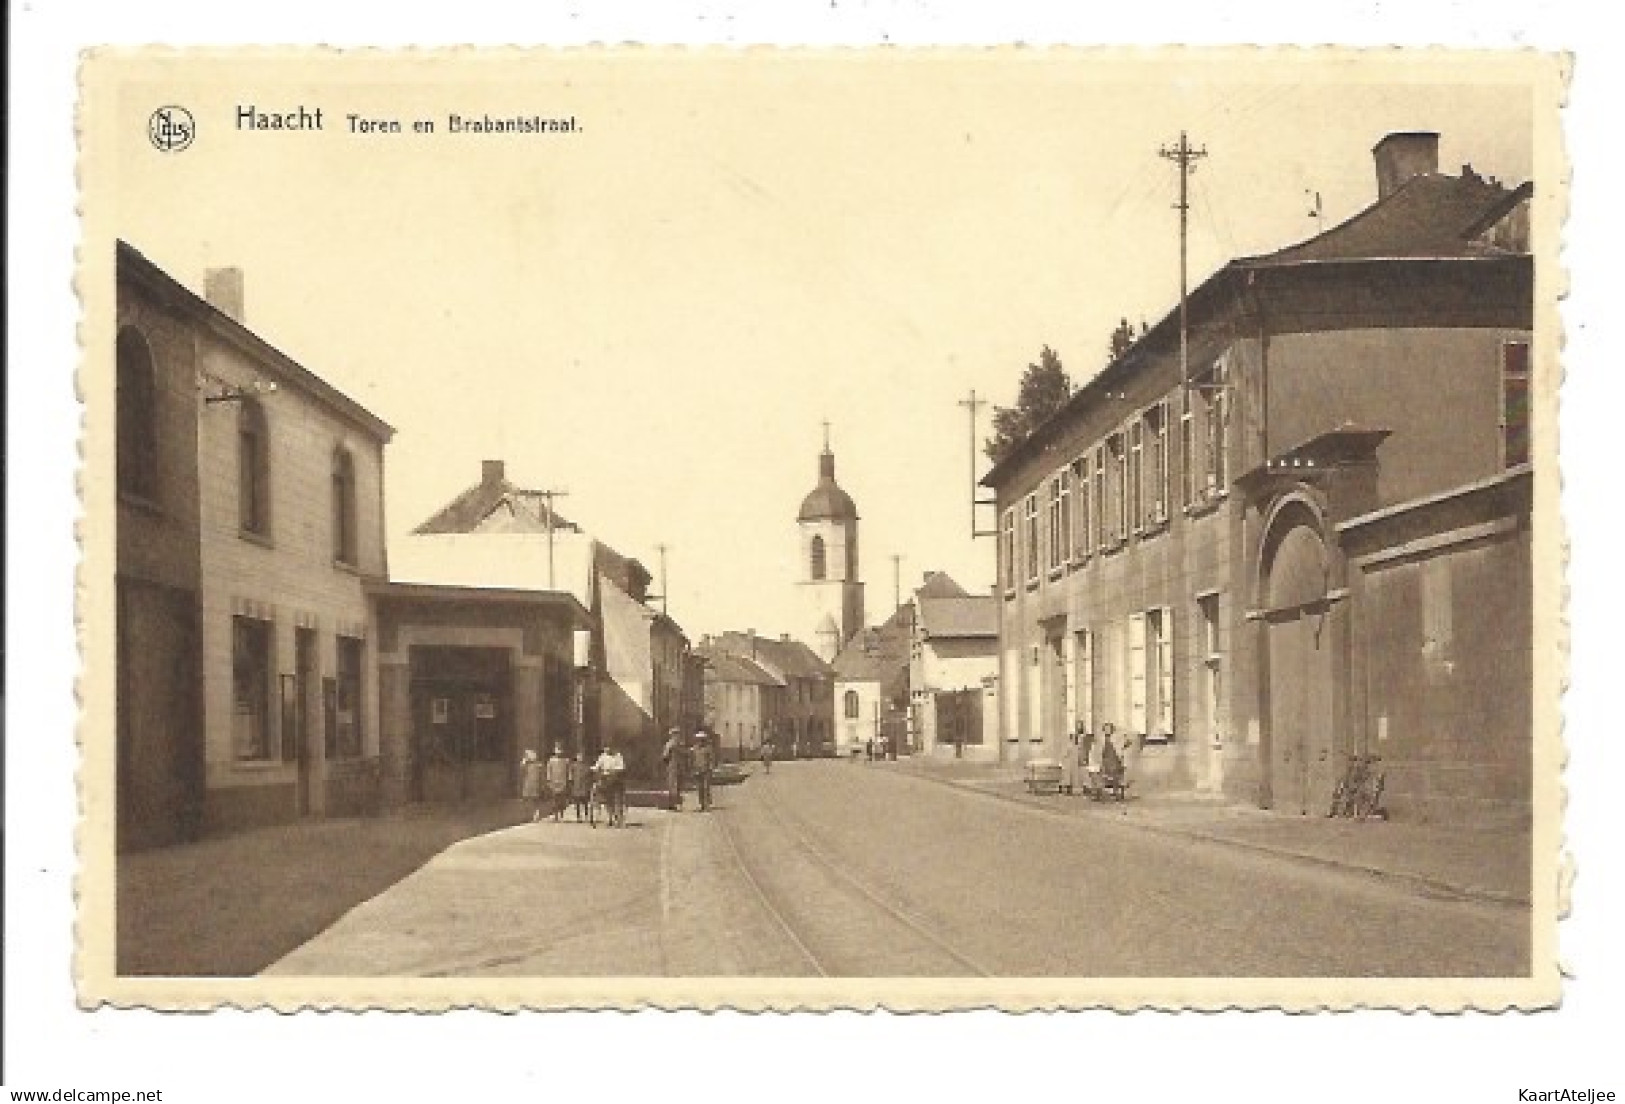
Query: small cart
1043,776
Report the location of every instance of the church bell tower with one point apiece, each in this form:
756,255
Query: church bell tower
829,561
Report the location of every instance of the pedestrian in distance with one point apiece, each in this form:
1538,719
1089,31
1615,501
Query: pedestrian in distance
580,784
672,756
531,783
869,750
702,760
609,773
1095,758
558,782
766,752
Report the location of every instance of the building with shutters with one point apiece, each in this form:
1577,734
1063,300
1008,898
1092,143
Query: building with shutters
1312,538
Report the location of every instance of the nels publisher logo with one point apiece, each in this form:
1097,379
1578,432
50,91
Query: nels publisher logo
171,129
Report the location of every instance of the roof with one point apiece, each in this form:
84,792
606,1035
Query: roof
1430,215
1430,218
959,617
478,595
132,264
827,501
498,505
724,667
787,658
874,655
938,584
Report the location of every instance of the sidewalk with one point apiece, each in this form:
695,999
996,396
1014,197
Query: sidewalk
230,905
1486,864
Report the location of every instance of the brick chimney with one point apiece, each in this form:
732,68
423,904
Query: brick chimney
1402,155
223,288
492,473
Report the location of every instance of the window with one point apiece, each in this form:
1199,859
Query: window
1136,673
1029,510
1159,643
1156,469
253,469
1008,548
1117,489
1515,403
1134,477
1215,424
1100,522
137,400
251,688
1059,520
1187,454
818,565
344,738
344,536
1207,614
1084,679
851,704
1082,539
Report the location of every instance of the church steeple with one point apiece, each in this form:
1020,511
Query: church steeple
828,520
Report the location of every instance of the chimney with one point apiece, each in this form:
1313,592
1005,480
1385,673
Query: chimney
1402,155
223,288
784,638
752,634
491,473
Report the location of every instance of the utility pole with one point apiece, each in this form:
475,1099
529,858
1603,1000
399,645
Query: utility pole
549,495
662,550
972,404
896,581
1185,156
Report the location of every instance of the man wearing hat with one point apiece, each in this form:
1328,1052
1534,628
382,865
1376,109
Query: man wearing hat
702,758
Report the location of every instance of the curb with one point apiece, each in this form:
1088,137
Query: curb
1433,887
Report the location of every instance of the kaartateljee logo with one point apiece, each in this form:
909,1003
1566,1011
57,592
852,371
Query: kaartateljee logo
171,129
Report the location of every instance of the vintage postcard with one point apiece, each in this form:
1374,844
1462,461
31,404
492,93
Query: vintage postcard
782,529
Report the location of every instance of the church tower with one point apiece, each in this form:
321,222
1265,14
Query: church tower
829,561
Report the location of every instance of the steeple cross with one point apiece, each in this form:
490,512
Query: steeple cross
826,434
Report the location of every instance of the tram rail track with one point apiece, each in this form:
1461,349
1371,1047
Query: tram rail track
791,828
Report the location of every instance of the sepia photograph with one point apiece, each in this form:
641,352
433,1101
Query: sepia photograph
917,529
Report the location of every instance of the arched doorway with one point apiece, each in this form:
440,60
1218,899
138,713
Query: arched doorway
1299,655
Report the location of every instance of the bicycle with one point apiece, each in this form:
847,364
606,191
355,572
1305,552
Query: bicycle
608,794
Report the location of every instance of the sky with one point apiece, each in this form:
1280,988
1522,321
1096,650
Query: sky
657,313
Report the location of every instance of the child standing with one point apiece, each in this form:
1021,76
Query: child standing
531,786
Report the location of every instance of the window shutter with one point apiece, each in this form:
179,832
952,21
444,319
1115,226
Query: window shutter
1136,672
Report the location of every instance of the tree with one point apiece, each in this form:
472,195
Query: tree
1045,387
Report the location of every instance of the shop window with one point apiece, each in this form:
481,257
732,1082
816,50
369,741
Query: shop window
251,688
345,736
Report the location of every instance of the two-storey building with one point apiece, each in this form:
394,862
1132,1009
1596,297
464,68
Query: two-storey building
1308,535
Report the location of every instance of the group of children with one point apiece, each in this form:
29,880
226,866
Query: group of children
553,785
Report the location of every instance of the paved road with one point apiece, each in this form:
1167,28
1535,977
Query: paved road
836,869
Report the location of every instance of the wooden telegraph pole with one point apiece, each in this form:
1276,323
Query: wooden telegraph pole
1185,156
